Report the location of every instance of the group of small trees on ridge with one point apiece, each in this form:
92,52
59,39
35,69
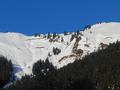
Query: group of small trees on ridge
49,35
56,50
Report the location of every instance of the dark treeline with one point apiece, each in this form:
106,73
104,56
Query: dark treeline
5,71
98,71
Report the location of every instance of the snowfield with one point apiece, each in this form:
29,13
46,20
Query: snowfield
24,50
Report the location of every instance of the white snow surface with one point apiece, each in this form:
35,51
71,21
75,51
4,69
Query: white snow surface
24,50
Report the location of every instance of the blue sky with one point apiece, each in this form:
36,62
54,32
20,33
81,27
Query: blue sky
43,16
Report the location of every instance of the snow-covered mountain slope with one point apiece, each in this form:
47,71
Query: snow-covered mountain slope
60,49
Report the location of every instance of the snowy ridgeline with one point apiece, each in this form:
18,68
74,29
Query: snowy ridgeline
60,49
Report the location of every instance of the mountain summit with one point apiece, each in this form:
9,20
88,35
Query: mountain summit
60,49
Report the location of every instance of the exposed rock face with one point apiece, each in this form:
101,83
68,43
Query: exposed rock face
79,52
103,46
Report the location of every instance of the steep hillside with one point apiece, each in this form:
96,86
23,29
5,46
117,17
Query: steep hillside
60,49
